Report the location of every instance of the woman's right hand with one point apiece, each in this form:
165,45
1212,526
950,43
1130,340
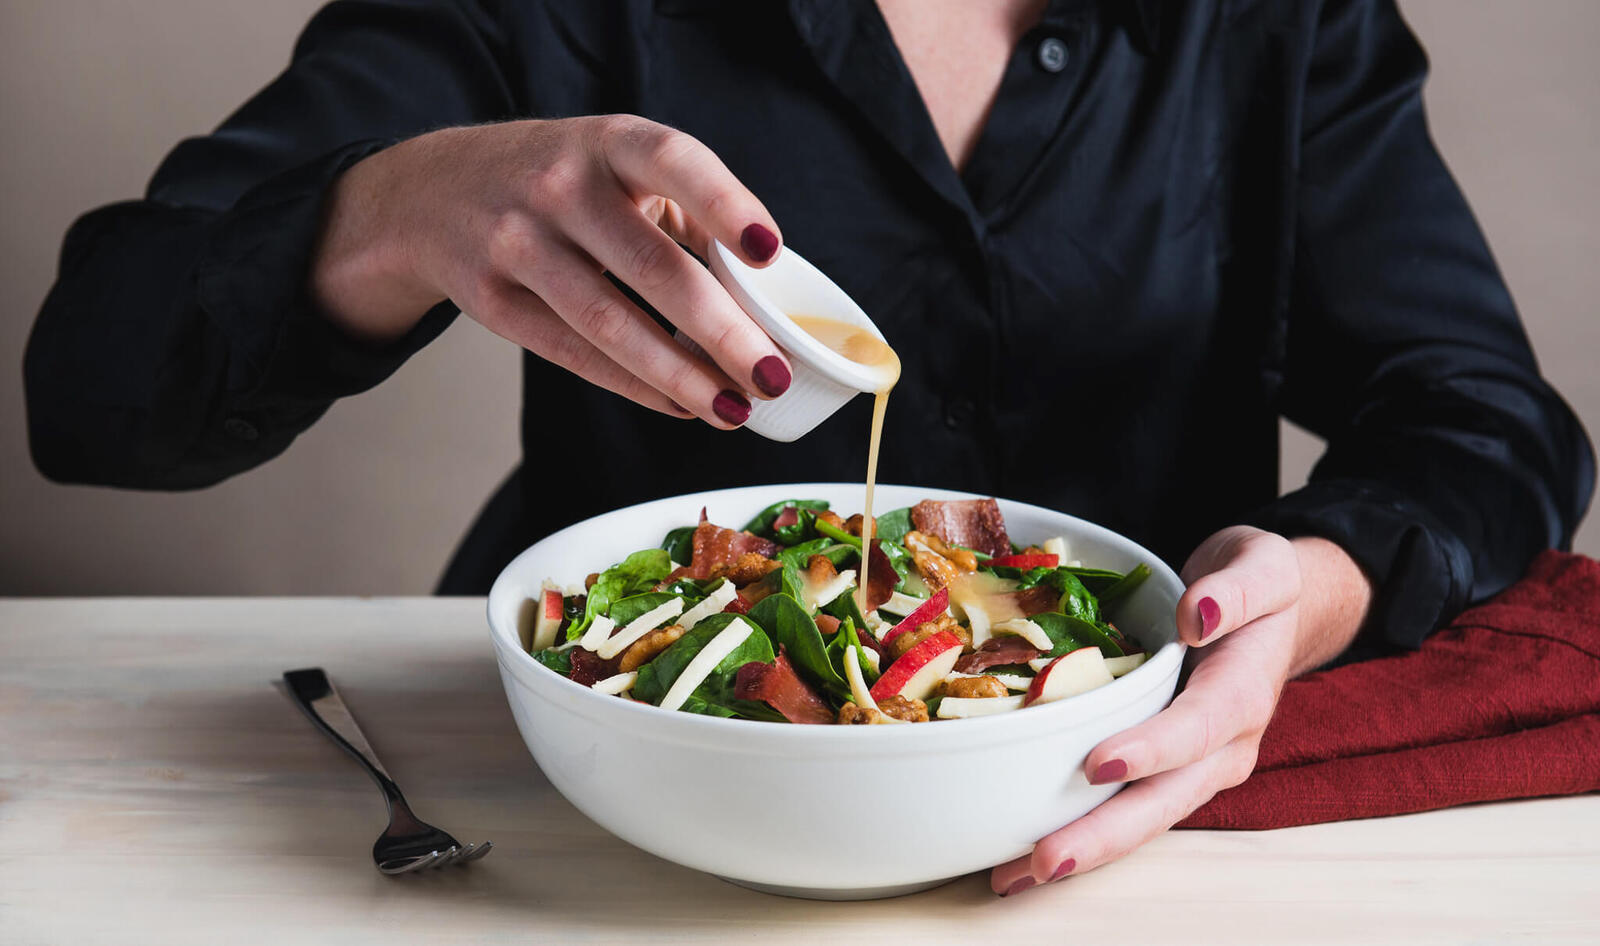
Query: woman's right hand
516,222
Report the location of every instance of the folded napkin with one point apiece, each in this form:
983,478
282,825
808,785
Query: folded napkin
1503,703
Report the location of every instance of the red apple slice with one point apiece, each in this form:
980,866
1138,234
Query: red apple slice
548,619
1077,672
922,614
919,669
1024,562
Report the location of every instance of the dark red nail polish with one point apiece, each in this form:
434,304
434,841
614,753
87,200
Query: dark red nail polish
1019,886
731,406
1210,617
772,376
1067,866
759,243
1114,771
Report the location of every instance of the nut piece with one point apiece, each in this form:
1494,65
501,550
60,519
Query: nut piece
910,711
935,569
852,715
970,688
750,567
853,525
831,518
944,622
645,649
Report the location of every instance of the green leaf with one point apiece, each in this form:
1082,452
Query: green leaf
1069,633
893,525
798,555
558,660
657,676
762,524
791,628
845,608
1096,580
692,590
839,651
1075,598
624,611
679,543
1126,586
804,527
638,573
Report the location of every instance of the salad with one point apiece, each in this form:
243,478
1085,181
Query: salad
768,622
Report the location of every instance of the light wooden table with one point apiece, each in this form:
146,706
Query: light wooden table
155,787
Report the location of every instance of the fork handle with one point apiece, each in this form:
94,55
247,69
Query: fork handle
313,692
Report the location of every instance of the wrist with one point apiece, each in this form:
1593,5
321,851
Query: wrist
363,276
1335,596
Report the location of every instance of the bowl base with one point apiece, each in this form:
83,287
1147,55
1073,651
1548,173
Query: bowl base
838,893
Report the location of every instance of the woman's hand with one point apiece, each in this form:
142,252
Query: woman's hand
516,223
1259,609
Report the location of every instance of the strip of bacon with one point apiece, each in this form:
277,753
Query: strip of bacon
1035,600
788,517
777,685
974,523
881,578
589,667
1006,649
714,545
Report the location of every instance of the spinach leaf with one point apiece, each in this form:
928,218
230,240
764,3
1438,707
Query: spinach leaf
845,608
693,704
1096,580
762,524
657,676
804,527
1070,633
1075,598
679,544
633,606
798,555
692,590
558,660
1126,586
893,525
635,574
793,629
902,561
839,650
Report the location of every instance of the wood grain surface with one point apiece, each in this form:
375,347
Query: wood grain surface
155,787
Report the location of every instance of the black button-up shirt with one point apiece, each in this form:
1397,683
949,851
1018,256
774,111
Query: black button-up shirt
1180,222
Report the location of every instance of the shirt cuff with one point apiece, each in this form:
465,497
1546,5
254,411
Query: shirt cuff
252,283
1420,572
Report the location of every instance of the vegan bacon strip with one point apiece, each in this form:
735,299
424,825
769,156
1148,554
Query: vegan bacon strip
777,685
997,651
714,545
974,523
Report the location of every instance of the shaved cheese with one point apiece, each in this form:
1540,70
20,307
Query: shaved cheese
901,604
977,622
1027,630
1121,665
713,604
858,684
872,658
1012,681
1039,663
1058,547
726,641
953,707
597,633
875,623
617,684
575,590
639,627
817,595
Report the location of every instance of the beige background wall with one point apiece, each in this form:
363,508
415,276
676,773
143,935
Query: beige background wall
372,499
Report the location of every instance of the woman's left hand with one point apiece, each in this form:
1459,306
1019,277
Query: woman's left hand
1259,609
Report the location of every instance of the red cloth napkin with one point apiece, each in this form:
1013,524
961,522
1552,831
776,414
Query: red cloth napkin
1503,703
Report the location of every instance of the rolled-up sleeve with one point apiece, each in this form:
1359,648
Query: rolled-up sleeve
1450,462
179,345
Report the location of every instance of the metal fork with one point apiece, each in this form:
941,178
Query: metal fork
409,843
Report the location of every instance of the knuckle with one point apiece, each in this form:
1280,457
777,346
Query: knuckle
605,322
672,149
651,263
555,184
512,241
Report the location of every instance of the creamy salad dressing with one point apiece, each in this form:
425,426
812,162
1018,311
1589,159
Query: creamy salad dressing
871,352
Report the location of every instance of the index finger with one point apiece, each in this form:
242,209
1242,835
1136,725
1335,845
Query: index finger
654,160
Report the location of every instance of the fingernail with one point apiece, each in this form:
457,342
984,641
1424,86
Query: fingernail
732,407
1114,771
1210,617
758,242
1018,887
772,376
1067,867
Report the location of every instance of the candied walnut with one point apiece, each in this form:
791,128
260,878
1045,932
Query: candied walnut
645,649
927,550
970,688
819,568
749,567
935,569
831,518
588,583
854,524
903,709
852,715
909,639
1033,550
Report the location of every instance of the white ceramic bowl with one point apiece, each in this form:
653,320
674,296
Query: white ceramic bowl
830,812
822,379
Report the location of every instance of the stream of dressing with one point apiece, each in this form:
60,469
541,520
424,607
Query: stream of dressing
869,351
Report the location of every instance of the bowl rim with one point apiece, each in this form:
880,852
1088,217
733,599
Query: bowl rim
1125,690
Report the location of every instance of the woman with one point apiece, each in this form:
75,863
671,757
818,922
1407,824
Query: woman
1112,242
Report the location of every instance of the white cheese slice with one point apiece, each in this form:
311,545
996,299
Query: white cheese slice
1012,681
1027,630
1039,663
1057,547
574,590
713,603
872,659
639,627
817,595
1121,665
954,707
620,683
876,624
597,633
858,683
706,661
977,622
901,604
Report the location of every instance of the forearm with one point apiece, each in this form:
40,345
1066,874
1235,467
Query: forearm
1334,599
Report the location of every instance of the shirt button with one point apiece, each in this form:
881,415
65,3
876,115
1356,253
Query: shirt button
1052,55
958,413
240,429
